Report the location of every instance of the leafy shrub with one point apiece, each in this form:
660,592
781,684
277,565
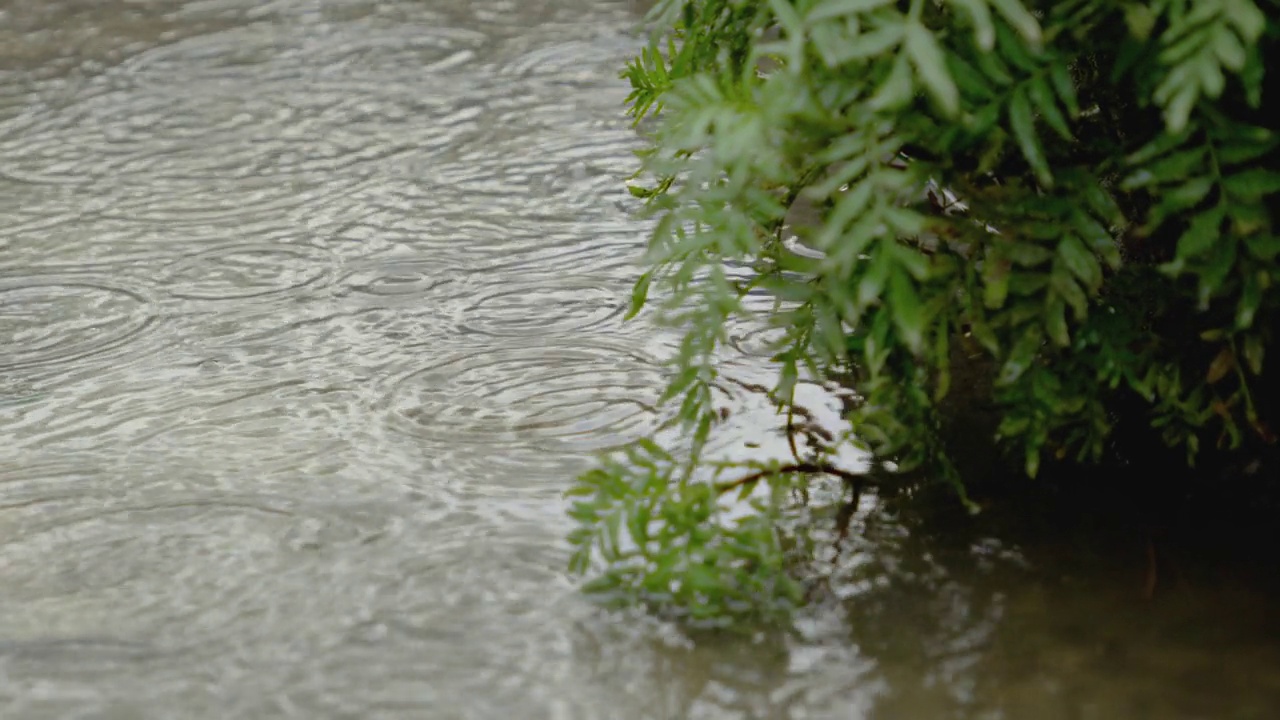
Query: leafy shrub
1080,193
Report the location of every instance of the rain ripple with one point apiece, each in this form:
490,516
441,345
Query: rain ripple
72,548
248,270
574,306
60,317
458,301
577,396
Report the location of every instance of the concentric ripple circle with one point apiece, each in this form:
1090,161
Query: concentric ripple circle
60,318
243,271
750,332
562,396
571,306
407,278
754,337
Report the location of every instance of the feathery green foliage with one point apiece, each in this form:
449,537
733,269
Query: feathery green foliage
1081,192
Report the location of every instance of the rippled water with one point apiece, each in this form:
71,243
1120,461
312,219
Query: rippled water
309,309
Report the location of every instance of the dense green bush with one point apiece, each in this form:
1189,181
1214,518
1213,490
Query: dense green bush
1079,194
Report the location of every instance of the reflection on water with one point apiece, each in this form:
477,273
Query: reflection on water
308,311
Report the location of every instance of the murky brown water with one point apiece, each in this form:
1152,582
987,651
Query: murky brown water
309,309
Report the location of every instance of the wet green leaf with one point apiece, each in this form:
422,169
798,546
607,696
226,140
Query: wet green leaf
580,490
897,90
793,31
1060,76
1248,218
1018,17
1254,352
913,261
1021,355
970,80
1250,299
1178,108
1055,322
1223,363
581,535
1097,238
1022,123
704,579
931,65
1080,261
851,206
580,561
788,376
610,542
908,311
1026,283
584,512
1100,201
653,449
638,525
984,33
995,275
1044,100
1201,234
872,44
829,9
701,432
1175,167
1213,273
872,283
1027,254
1264,247
1185,196
1247,149
1252,185
1228,49
903,221
1245,17
1062,282
639,294
1140,18
606,583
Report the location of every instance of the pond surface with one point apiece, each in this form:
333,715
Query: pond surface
309,311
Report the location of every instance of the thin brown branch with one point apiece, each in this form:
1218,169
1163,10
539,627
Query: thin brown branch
856,480
791,431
